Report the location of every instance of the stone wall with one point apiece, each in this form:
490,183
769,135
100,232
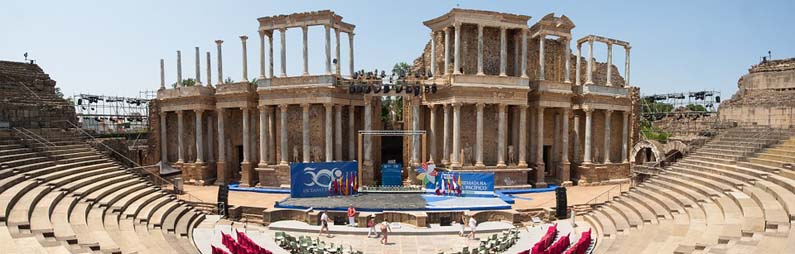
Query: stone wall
28,99
766,96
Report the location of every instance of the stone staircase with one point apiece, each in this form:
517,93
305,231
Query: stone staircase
734,195
59,195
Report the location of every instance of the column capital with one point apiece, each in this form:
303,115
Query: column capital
431,106
457,105
502,107
244,108
523,106
480,105
219,42
262,33
608,111
328,105
283,107
282,29
367,100
446,107
305,106
198,111
502,29
457,25
179,112
338,106
587,109
243,38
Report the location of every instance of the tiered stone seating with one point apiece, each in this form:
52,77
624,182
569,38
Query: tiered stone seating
736,194
62,196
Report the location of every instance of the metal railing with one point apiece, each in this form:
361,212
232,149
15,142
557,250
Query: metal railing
34,137
606,195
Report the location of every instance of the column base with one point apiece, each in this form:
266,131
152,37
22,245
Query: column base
565,171
540,185
262,164
501,165
455,165
480,74
221,174
479,164
522,164
267,177
247,177
566,183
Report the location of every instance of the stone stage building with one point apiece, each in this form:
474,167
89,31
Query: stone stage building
765,96
512,99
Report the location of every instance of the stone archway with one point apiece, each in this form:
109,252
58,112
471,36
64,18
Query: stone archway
648,150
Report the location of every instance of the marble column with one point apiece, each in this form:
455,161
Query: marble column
282,35
501,135
199,137
576,142
338,132
565,177
263,136
337,51
567,64
503,53
210,145
446,135
456,136
220,66
328,49
457,50
261,55
162,74
352,132
180,134
368,116
198,68
479,136
541,62
608,123
446,52
626,66
271,136
270,54
524,53
609,64
577,65
209,71
522,136
432,133
221,174
588,129
243,39
306,151
350,53
540,166
283,154
305,31
329,130
589,71
516,46
480,50
415,126
624,136
247,176
179,68
163,137
433,54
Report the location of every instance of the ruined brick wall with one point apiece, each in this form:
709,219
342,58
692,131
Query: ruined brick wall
766,96
28,99
152,155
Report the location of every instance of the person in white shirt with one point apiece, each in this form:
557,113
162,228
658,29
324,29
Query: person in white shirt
324,220
472,225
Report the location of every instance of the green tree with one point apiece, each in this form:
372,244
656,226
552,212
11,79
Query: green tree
654,107
185,82
695,107
401,69
228,80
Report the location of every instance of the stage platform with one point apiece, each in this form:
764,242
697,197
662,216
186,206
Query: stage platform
488,227
378,202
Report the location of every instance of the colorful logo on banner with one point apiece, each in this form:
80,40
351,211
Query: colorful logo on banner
323,179
461,183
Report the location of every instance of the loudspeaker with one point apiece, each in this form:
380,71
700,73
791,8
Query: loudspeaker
223,199
717,99
561,204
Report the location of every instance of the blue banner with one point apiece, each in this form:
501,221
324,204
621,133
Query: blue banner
323,179
461,183
391,174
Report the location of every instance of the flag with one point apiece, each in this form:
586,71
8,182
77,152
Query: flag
459,185
455,184
353,184
443,183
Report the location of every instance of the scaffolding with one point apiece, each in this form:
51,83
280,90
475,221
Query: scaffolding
113,114
681,113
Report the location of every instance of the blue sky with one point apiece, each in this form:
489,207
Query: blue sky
114,47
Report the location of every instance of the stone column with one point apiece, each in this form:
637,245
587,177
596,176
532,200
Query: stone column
368,116
446,53
501,135
433,56
270,54
479,136
179,68
329,131
624,138
577,65
540,167
209,71
589,72
338,133
261,55
263,136
608,114
337,51
328,49
541,63
609,64
221,176
588,129
456,136
626,66
350,53
220,67
446,135
522,136
352,133
503,53
162,74
199,137
198,68
283,36
480,50
180,134
516,46
432,133
163,137
524,53
565,177
243,39
577,138
305,31
247,170
415,126
567,66
210,145
283,135
457,51
305,132
271,135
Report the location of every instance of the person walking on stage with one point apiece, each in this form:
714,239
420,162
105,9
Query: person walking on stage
463,222
472,225
324,220
371,225
385,229
351,216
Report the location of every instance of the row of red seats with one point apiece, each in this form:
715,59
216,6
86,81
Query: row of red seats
581,245
243,245
545,241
